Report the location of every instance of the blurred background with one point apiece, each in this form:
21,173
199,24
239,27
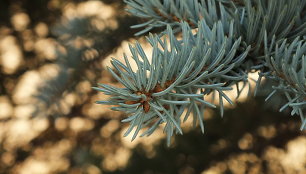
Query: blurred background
52,52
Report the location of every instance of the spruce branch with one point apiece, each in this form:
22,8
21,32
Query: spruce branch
173,12
287,65
178,78
222,41
278,18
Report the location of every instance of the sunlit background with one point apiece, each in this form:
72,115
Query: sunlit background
52,52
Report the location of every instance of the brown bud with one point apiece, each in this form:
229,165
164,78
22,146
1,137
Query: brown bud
146,106
158,88
130,102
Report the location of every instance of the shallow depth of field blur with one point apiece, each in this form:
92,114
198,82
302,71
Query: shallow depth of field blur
52,52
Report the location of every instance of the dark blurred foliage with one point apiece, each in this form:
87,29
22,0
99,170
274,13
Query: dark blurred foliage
37,10
49,122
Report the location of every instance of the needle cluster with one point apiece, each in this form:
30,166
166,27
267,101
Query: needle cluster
220,42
